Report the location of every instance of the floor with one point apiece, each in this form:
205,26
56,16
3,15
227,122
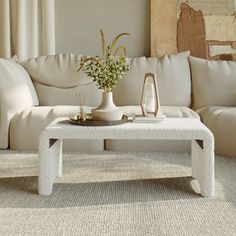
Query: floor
108,193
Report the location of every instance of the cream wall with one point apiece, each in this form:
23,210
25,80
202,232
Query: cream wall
78,22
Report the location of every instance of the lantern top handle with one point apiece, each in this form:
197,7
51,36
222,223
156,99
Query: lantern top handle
149,74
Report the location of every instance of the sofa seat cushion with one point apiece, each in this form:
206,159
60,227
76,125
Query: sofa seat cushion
222,122
26,127
149,145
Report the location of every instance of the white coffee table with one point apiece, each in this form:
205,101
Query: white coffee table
50,146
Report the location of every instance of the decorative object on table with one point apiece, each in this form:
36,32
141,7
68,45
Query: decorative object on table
150,102
154,119
81,102
89,121
106,71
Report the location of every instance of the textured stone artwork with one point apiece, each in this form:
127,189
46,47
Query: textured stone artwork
205,27
191,31
220,27
218,50
211,7
163,29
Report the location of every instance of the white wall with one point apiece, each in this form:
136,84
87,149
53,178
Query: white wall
78,23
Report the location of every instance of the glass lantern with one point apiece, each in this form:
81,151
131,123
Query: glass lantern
150,102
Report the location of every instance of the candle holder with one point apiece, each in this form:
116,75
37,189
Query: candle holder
150,102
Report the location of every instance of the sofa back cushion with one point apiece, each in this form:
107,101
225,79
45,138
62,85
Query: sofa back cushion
52,96
173,78
16,93
57,81
214,82
58,71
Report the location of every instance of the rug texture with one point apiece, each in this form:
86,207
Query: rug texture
110,193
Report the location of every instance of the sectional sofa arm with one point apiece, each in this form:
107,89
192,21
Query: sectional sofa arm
16,93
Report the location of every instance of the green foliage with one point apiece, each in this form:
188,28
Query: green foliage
107,70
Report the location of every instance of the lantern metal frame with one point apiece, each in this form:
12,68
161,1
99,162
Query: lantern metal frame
156,95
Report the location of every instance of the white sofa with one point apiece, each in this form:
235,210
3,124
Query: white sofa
36,91
214,98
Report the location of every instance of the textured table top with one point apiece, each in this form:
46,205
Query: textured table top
171,128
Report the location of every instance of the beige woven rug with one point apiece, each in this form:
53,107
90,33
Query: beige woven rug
116,194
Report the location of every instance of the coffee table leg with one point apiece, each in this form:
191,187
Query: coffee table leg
57,155
194,159
203,168
50,154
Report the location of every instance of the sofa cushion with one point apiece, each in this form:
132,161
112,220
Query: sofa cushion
173,77
150,145
16,93
214,82
169,111
57,81
52,96
222,122
59,71
27,126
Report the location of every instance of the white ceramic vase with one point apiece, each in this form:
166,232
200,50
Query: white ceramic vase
107,111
